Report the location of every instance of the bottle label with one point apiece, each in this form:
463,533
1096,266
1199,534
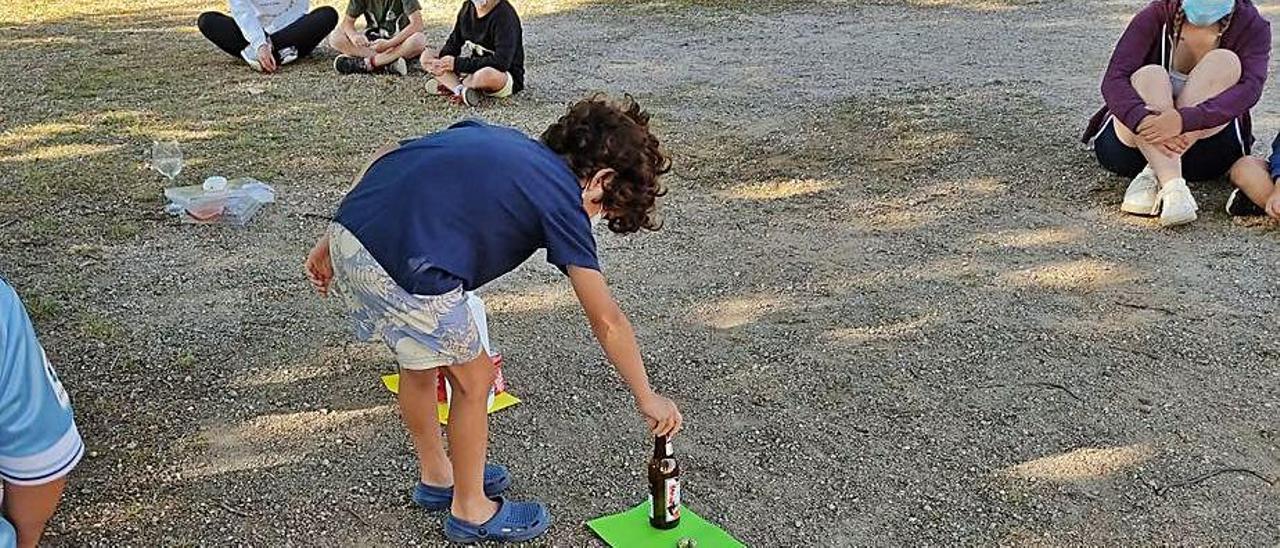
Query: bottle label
671,491
672,486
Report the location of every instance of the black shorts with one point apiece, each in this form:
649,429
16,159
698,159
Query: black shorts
1206,160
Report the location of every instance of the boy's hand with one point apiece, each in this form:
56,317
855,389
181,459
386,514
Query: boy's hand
661,413
358,39
1273,203
319,266
618,340
380,45
1176,146
1160,126
266,58
445,64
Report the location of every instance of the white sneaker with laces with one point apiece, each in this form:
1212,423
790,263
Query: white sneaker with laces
1140,198
1177,205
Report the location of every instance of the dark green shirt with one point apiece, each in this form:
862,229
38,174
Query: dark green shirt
384,15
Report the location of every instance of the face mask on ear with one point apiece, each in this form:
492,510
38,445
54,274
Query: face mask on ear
598,217
1203,13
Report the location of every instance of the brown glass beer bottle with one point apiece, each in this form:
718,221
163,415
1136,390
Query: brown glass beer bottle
664,485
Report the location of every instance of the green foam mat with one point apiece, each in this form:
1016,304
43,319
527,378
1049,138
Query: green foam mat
631,529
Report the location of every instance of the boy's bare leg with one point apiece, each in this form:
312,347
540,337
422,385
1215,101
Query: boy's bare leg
1251,176
487,79
417,399
449,80
1152,84
410,48
469,437
29,507
340,42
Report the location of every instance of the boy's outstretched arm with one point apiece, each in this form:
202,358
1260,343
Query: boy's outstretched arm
618,340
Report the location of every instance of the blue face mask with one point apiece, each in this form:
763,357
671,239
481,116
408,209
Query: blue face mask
1203,13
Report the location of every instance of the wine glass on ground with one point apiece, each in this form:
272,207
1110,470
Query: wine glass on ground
166,157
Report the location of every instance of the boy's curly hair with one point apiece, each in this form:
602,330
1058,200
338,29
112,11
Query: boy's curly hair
598,133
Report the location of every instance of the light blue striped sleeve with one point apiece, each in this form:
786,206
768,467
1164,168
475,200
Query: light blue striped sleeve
39,442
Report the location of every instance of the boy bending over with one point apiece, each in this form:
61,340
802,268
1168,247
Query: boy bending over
483,57
435,217
392,33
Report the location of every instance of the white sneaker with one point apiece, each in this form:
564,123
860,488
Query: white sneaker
288,55
399,67
1140,198
252,61
1177,205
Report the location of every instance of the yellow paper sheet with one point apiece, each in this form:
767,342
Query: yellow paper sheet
501,400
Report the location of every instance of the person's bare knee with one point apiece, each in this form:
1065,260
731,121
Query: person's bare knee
1217,72
1222,64
471,380
1152,84
1149,76
1249,169
338,40
414,45
1253,176
487,79
418,377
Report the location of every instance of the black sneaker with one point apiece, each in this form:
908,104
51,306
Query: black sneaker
346,64
1239,205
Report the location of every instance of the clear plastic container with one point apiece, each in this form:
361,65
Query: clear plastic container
235,204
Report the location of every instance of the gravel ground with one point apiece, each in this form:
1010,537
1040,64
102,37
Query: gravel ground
895,299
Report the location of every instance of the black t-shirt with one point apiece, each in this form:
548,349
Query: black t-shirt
498,35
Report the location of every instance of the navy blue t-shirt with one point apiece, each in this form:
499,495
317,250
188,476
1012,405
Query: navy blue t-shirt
467,205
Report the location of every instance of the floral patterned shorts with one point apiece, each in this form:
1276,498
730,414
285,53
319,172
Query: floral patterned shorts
424,331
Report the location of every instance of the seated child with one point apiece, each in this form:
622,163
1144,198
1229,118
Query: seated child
435,217
1258,185
392,33
268,34
483,57
1178,92
39,443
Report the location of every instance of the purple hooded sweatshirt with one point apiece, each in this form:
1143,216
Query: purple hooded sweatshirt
1149,41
